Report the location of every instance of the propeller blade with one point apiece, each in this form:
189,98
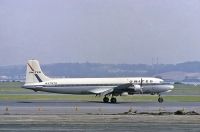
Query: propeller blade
141,83
141,91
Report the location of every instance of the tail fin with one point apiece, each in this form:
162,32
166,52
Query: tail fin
34,73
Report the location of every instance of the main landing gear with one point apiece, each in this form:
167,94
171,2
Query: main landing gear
112,100
105,99
160,99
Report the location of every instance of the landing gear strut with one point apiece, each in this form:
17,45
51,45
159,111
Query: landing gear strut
160,99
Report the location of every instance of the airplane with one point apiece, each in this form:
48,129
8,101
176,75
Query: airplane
36,80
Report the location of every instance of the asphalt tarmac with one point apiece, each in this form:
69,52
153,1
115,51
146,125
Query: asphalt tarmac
99,123
76,116
77,107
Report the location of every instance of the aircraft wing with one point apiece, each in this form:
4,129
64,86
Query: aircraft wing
102,90
111,89
122,87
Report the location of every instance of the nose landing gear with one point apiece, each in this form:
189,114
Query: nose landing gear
160,99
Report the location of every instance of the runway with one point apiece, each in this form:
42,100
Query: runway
78,107
80,116
99,123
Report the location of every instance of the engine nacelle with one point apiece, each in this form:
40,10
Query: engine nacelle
132,92
135,89
124,94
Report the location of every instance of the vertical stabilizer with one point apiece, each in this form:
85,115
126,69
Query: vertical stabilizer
34,73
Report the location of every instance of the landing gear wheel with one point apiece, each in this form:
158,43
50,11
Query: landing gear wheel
105,99
113,100
160,100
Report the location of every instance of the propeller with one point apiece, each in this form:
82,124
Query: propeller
138,87
141,84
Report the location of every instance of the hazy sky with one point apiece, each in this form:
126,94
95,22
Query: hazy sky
105,31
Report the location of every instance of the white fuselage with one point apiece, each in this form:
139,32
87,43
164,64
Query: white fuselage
92,85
